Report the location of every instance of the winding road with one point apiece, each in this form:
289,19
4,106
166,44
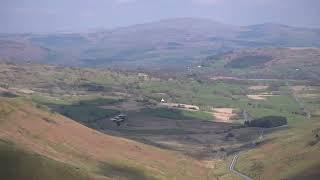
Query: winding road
233,164
246,117
236,156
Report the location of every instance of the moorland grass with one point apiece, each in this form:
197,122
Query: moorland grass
123,171
17,164
288,154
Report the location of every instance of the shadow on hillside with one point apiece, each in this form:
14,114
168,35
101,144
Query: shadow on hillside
116,171
311,173
86,111
18,164
8,95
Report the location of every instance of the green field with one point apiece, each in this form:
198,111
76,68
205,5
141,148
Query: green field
189,89
281,105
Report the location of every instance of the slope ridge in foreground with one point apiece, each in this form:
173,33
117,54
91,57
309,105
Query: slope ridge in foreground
39,131
288,154
17,164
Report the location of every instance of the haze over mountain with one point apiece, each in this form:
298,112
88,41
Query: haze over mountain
80,15
164,43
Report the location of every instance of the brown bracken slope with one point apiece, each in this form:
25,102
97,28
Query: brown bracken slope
49,134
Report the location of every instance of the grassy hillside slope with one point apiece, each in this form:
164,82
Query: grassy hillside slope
289,154
16,164
58,138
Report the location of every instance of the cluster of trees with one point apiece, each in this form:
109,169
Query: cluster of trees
267,122
248,61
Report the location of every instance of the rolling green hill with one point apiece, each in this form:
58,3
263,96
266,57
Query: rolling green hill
278,63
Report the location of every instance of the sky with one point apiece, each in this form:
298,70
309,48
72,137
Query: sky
44,16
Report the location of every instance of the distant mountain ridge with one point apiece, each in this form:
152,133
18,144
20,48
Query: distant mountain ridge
165,43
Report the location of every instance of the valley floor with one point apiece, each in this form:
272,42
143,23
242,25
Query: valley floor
194,135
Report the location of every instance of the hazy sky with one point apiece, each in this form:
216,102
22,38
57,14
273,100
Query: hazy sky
83,15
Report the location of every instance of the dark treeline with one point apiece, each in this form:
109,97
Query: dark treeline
267,122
